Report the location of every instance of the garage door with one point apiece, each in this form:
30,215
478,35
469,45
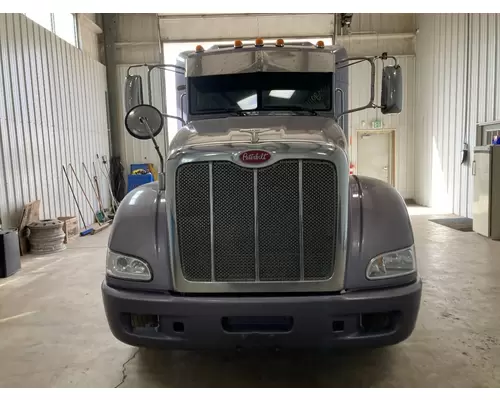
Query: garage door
244,26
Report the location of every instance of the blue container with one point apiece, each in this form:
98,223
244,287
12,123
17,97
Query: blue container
133,167
138,180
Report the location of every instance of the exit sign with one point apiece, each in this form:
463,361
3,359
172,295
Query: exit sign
377,124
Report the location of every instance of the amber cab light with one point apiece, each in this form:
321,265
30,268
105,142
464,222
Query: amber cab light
238,44
320,44
199,48
259,42
280,43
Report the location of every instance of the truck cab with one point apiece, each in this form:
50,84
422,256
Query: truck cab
256,234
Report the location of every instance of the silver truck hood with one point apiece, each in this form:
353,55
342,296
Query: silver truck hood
258,129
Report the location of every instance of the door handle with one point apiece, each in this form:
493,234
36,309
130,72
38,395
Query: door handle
474,168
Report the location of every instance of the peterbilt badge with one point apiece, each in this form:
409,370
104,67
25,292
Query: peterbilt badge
255,156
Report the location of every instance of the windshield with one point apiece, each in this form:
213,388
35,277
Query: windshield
260,91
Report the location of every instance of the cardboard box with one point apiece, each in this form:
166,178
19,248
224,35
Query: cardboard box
70,228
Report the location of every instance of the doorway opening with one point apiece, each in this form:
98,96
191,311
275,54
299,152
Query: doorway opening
376,156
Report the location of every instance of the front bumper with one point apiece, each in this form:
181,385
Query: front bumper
324,321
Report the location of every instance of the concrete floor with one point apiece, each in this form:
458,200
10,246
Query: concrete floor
53,332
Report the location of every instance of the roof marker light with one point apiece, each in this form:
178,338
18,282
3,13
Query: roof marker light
320,44
280,43
238,44
199,49
259,42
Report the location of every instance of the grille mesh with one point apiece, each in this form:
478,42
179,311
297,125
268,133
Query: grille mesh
278,211
234,238
193,220
319,218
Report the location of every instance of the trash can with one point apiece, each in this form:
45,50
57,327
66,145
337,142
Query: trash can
10,258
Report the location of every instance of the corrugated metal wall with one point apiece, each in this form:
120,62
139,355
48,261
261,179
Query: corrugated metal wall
458,80
52,112
359,95
132,150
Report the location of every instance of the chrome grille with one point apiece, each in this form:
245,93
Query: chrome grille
276,223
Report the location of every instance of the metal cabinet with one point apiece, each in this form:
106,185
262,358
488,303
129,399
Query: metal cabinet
486,204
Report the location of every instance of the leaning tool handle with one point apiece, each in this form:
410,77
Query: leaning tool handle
74,197
85,195
98,192
97,185
106,174
92,184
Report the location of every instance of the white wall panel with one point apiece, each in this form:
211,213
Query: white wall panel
137,27
402,123
457,87
244,26
375,45
89,32
137,39
134,151
383,23
52,112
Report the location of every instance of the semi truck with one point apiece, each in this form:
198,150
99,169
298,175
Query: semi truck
256,234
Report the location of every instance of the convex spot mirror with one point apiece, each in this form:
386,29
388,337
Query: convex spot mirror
144,122
133,92
391,99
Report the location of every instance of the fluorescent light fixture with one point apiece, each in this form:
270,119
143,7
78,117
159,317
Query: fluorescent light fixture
248,103
282,94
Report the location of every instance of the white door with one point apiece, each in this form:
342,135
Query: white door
481,204
374,155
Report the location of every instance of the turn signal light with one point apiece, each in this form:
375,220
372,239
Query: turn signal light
259,42
199,48
238,44
280,43
320,44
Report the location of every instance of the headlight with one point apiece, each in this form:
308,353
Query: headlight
393,264
126,267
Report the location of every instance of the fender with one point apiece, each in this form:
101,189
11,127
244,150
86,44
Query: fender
136,232
378,223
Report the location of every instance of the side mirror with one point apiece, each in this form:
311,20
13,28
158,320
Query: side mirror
133,92
391,99
144,122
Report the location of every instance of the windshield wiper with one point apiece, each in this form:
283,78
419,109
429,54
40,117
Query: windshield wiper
291,108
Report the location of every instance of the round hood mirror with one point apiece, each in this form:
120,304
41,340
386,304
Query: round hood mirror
144,121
